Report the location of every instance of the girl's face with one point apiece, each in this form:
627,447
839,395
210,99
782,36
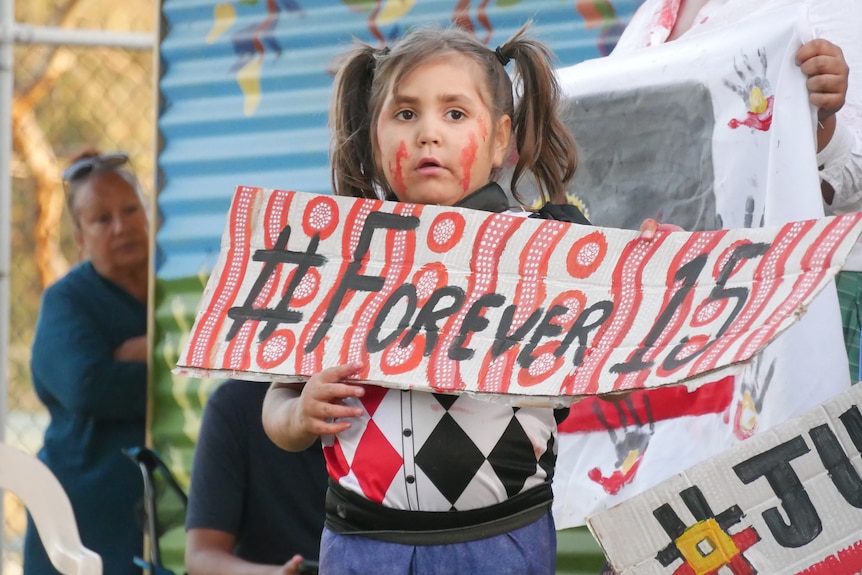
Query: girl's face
436,136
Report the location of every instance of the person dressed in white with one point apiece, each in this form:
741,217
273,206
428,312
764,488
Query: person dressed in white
833,90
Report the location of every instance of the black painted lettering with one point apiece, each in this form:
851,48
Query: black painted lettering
474,321
844,476
429,316
545,329
688,274
852,421
718,293
504,340
774,465
278,255
352,279
582,327
373,343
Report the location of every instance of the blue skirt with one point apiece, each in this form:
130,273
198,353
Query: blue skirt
530,550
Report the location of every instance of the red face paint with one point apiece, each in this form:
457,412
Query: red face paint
396,172
468,157
483,127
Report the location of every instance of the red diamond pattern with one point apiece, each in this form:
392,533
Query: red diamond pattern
372,398
375,463
336,463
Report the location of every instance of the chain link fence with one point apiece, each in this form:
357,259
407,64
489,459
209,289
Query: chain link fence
66,98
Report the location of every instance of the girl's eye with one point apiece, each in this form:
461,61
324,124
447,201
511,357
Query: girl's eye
456,114
405,115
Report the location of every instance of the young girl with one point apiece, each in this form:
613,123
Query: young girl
421,482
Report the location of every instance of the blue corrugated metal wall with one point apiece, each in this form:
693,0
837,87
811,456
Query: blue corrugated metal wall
215,136
244,93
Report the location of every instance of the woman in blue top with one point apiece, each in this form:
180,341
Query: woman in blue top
89,364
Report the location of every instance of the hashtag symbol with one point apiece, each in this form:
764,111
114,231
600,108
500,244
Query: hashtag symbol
706,546
273,258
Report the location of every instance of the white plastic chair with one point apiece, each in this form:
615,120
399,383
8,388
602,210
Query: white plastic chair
49,506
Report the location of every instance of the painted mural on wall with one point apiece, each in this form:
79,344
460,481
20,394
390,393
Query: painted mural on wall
252,42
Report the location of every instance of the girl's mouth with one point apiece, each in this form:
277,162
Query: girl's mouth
428,167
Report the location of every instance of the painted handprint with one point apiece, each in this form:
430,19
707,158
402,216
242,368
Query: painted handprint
755,91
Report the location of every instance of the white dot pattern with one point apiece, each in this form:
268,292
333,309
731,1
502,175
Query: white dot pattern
308,285
827,240
707,312
443,372
308,362
275,221
635,379
542,364
588,254
235,265
494,377
759,297
587,372
395,355
320,216
393,278
274,348
443,231
532,261
426,283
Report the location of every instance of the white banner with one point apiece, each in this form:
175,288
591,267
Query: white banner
709,131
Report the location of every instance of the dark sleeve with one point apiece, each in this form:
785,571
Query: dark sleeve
73,359
218,469
561,212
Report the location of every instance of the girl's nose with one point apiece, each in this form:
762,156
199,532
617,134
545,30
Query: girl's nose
428,133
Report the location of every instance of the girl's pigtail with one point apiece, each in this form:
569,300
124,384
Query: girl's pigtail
545,146
352,159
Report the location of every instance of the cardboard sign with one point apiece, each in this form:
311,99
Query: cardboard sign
455,300
787,501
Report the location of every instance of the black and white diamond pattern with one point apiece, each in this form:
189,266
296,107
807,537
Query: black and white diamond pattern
478,447
451,452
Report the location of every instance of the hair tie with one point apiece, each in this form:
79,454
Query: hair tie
501,57
383,51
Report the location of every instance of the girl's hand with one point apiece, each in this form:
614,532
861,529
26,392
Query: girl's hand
823,62
320,410
294,415
650,227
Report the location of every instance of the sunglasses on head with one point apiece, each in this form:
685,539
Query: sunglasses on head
86,166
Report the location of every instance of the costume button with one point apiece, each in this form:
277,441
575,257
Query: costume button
410,479
408,432
341,510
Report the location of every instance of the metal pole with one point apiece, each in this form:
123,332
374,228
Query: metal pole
7,22
26,34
